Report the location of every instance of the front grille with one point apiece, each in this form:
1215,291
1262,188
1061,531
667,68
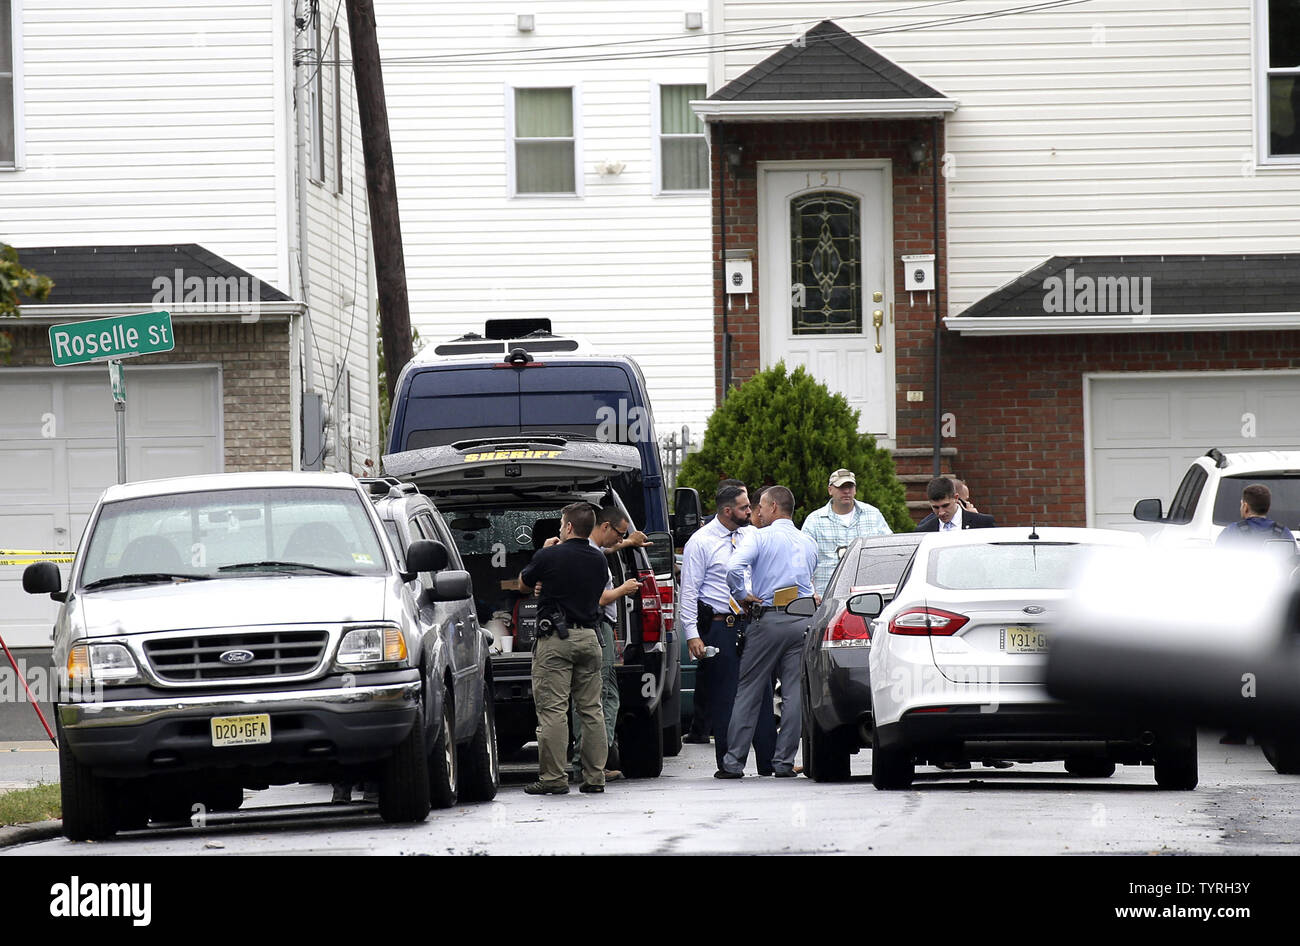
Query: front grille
195,659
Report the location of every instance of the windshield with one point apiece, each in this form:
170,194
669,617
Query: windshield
593,402
229,533
1005,565
1285,492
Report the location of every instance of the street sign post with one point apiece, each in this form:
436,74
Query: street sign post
122,336
112,339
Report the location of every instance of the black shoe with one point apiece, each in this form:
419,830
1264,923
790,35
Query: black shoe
590,788
1233,739
997,764
949,766
785,773
696,740
765,772
723,773
546,788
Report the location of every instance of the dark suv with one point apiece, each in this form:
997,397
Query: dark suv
501,498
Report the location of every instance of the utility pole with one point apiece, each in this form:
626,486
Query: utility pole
381,190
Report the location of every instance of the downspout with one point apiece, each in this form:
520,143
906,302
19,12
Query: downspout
722,258
302,66
938,282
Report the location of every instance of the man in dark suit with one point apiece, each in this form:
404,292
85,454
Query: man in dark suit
947,511
964,505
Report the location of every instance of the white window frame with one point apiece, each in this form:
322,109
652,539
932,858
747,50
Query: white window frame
579,172
656,138
1262,72
315,101
16,25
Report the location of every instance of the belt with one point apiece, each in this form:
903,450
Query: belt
730,620
761,609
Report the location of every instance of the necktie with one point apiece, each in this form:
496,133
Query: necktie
735,608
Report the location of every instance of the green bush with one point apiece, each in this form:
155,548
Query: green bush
789,429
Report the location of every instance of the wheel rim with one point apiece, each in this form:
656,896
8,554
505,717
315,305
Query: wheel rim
490,730
449,749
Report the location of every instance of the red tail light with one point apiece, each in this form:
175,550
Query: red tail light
927,622
666,604
847,630
651,610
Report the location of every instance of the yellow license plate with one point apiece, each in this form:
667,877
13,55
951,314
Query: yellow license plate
1024,640
241,730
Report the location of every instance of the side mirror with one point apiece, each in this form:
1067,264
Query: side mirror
42,578
866,605
660,551
1148,510
801,607
426,555
688,514
450,586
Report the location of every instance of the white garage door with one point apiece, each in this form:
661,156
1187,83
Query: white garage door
1144,430
58,451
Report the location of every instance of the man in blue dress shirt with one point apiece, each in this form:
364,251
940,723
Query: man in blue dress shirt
710,618
773,566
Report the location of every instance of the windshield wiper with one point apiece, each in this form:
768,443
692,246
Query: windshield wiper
143,578
285,565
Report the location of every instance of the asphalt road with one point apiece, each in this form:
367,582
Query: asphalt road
1241,807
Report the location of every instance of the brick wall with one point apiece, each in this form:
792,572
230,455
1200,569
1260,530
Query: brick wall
254,361
1017,405
913,209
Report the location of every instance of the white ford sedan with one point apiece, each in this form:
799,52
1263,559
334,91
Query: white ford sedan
959,656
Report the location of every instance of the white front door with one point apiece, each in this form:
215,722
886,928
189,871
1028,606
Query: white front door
825,283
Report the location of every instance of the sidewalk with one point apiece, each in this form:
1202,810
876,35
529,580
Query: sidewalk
27,763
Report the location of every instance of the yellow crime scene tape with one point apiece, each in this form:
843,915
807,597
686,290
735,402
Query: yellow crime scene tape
32,556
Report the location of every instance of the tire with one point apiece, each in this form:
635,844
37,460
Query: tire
404,779
1090,768
825,757
132,806
673,739
641,745
890,768
89,801
443,770
479,765
1176,767
1282,754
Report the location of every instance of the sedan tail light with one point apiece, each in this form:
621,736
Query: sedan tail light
927,622
651,611
846,630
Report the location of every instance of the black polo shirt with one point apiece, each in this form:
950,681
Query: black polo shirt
573,575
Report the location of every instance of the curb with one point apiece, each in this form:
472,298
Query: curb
22,833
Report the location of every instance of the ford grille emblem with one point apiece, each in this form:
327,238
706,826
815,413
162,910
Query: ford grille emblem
1032,609
236,657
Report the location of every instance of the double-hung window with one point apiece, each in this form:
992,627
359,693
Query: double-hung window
10,86
682,151
545,142
1278,109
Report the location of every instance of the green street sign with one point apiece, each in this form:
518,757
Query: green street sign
122,336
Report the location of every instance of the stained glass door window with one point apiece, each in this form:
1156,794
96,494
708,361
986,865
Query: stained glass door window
826,264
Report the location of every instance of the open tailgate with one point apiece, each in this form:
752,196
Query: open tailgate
512,461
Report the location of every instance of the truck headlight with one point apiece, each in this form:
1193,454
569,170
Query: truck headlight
101,663
370,645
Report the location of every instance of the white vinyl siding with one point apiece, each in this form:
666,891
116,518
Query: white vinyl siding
682,150
545,142
629,271
1110,127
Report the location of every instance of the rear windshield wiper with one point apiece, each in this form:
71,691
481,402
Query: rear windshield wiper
285,566
142,578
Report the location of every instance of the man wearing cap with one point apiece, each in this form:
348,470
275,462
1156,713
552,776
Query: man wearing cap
834,526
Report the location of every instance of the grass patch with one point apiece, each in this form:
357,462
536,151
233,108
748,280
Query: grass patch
26,805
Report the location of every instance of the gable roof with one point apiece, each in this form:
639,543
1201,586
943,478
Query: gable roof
1142,293
126,275
832,70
